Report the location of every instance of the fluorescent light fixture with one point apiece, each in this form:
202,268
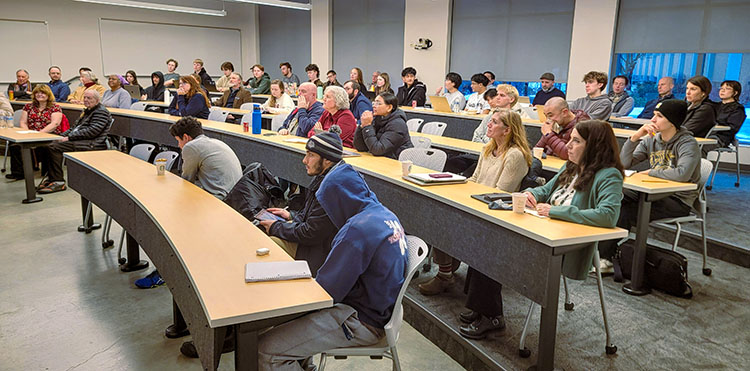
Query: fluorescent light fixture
277,3
152,6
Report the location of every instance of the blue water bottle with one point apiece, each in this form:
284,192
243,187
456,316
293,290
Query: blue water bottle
257,119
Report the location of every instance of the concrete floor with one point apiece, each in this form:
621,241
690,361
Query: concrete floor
64,305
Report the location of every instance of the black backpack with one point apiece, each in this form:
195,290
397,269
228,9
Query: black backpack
256,190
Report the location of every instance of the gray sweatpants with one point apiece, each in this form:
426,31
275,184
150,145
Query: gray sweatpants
281,347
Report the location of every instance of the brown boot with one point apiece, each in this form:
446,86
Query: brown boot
436,285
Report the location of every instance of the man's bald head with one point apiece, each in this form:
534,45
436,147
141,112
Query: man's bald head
309,91
665,85
556,109
556,103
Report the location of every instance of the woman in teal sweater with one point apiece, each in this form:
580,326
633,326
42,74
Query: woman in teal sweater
587,190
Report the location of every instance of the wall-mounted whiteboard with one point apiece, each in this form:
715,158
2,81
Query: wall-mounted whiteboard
145,47
26,45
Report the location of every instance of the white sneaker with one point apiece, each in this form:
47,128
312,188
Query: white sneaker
606,266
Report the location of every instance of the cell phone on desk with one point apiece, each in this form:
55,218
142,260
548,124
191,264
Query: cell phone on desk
267,215
269,134
440,175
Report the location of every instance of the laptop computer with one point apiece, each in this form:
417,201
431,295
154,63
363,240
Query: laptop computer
531,112
133,90
440,104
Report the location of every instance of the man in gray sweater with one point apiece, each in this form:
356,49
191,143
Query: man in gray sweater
673,154
595,104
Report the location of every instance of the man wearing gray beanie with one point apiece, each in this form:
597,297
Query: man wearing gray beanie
673,154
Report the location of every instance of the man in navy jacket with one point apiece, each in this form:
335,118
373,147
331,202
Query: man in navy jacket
358,103
307,113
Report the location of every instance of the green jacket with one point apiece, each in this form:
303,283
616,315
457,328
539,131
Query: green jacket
598,206
261,85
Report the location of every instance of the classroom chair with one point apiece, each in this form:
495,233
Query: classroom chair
434,128
138,106
17,123
421,142
249,106
430,158
276,122
416,250
414,124
219,115
732,148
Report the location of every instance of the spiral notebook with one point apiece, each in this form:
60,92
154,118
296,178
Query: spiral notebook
276,271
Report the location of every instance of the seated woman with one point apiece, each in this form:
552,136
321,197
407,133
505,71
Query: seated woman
586,190
280,101
504,162
156,91
336,113
43,115
116,97
385,134
383,84
731,112
356,75
132,79
701,114
88,81
191,100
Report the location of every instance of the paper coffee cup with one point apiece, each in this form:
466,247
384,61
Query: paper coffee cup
161,166
538,151
406,167
519,202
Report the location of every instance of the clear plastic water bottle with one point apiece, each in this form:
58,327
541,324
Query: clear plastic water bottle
454,106
8,121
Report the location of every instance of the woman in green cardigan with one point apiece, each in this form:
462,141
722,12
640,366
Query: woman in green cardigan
586,190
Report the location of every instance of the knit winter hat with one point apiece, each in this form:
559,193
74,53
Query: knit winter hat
674,110
327,145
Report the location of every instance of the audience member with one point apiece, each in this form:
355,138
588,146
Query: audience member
490,77
383,131
701,114
673,154
336,114
235,96
313,74
22,87
664,88
205,79
280,101
476,102
307,113
290,80
156,91
374,81
595,104
90,82
548,90
132,79
116,97
88,133
731,113
412,90
60,89
331,79
622,102
454,96
307,234
358,103
191,100
556,131
357,75
504,162
171,78
505,96
260,83
363,274
6,109
383,84
222,84
43,115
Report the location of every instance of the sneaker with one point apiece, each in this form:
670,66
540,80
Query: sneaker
436,285
152,280
606,266
53,187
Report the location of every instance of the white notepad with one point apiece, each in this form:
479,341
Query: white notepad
276,271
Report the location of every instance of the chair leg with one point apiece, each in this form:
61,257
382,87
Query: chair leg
394,358
676,235
568,304
713,172
706,270
524,352
322,363
737,161
106,241
609,347
120,259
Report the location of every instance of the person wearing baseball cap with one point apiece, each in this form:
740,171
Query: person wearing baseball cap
673,154
548,90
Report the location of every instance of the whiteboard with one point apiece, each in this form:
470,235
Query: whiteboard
145,47
27,43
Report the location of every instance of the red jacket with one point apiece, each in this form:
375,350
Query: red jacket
345,120
555,144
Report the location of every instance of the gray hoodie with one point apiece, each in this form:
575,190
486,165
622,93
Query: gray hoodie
598,108
678,159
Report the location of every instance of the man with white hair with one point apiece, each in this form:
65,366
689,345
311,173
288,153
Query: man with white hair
22,87
308,111
88,133
337,117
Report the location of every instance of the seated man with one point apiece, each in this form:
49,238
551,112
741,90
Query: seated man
289,79
363,274
673,154
561,120
595,104
308,112
476,102
455,98
21,89
260,83
491,78
412,90
548,90
313,74
622,102
171,78
60,89
235,96
205,79
308,233
331,76
88,133
211,165
358,103
664,88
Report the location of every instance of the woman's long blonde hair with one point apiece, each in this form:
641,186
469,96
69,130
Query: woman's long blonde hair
515,138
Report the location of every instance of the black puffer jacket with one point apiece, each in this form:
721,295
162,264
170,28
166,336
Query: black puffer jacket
90,130
387,136
415,92
701,118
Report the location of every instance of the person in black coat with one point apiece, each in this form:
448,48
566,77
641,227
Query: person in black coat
701,113
412,90
731,113
307,235
383,132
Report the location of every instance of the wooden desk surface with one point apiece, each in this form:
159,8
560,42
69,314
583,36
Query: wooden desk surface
18,135
462,114
637,121
215,261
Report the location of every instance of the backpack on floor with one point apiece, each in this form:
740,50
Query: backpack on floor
256,190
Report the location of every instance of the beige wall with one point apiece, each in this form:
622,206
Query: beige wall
591,43
321,36
427,19
74,30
